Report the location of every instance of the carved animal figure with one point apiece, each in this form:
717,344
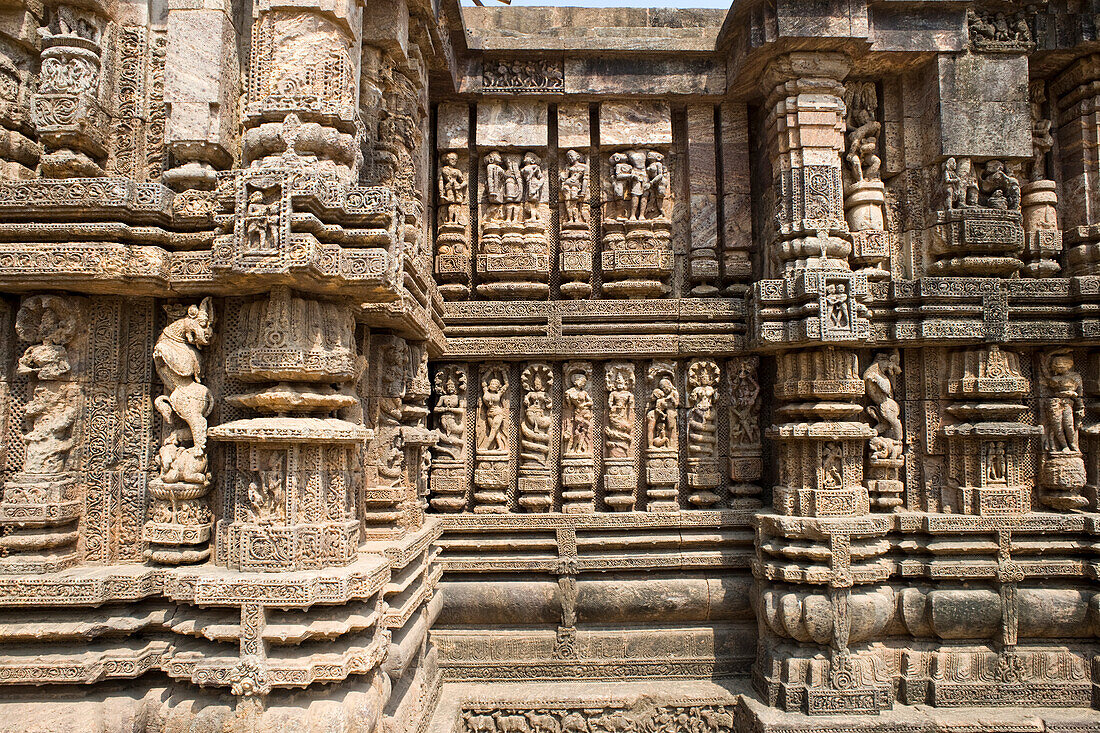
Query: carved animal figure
511,723
176,358
543,723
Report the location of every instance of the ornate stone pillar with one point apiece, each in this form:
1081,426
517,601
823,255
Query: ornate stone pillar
813,315
290,487
578,471
201,79
19,151
70,106
1075,101
302,76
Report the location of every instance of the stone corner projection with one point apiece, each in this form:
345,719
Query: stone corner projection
402,367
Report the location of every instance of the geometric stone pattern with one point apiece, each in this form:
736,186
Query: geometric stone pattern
398,366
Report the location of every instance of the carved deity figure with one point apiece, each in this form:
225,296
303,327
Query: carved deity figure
629,184
512,192
578,415
52,412
574,188
664,401
494,410
861,100
744,409
619,431
453,190
879,381
494,185
49,323
177,361
537,380
996,463
702,429
1063,402
954,184
261,222
395,363
450,413
1041,137
533,183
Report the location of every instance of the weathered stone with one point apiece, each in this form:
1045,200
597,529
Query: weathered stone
568,370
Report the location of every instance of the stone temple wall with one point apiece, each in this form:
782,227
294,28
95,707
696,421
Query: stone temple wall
397,367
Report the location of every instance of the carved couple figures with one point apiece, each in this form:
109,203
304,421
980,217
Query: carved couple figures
664,401
177,360
994,187
639,183
514,191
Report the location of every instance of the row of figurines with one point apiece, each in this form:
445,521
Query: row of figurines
515,188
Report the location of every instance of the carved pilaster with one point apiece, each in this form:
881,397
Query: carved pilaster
289,479
620,478
535,489
578,474
662,437
448,478
575,193
495,441
43,502
202,73
453,188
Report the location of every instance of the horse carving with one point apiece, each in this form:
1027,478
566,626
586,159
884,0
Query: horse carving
176,358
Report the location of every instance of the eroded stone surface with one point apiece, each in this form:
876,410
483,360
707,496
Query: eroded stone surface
399,367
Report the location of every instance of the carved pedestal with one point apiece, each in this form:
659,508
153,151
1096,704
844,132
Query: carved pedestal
491,482
864,204
576,259
41,513
1043,238
637,257
977,242
179,530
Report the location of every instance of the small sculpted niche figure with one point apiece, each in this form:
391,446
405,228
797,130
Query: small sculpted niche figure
578,415
453,190
574,188
1064,403
836,299
661,417
513,192
533,182
494,408
657,182
494,185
